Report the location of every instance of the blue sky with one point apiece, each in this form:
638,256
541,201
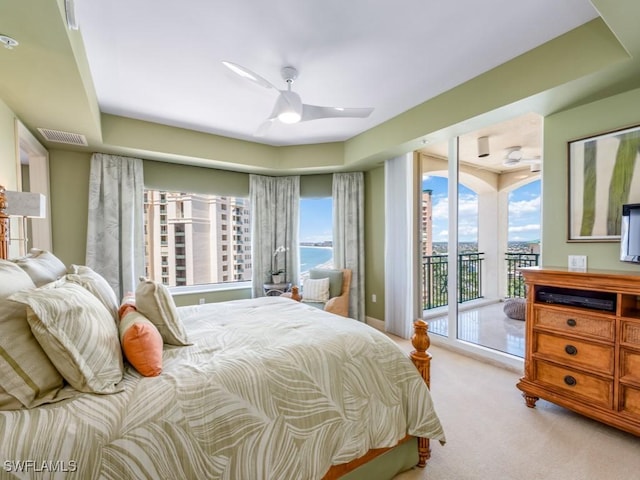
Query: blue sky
524,214
316,219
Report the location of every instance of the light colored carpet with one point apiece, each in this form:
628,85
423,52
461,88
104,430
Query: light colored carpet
492,435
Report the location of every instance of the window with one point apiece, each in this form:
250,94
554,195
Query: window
316,234
184,238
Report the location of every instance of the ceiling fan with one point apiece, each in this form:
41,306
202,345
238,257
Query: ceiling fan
515,156
289,108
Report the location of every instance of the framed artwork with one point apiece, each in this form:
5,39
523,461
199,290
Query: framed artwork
604,174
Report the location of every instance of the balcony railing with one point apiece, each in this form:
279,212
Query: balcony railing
515,282
435,272
435,269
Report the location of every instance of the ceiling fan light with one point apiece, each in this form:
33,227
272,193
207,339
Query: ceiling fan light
289,117
289,107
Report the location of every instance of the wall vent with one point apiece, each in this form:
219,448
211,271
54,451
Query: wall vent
63,137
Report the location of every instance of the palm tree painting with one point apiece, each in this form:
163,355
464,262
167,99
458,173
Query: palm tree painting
602,178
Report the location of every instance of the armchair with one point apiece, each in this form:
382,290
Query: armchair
339,286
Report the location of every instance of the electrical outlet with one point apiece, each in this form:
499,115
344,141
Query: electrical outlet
374,299
201,301
578,263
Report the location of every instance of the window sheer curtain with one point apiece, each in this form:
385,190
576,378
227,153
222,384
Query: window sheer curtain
348,234
115,241
402,245
275,206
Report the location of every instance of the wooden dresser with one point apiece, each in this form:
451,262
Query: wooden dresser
585,358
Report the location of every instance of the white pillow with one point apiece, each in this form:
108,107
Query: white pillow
42,266
94,282
315,290
154,301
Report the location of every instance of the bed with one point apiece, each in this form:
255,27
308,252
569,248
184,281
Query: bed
259,388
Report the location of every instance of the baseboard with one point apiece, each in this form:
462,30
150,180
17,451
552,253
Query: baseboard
375,323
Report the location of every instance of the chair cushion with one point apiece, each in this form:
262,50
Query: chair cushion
335,277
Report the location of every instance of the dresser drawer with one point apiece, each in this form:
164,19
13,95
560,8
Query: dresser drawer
574,353
581,386
574,322
630,401
629,366
630,332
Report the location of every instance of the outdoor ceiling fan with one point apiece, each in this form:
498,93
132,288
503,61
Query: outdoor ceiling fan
515,156
289,108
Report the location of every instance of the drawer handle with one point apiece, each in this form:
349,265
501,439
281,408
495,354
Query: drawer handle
571,322
569,380
571,350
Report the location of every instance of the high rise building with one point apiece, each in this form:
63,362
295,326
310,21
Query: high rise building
194,239
427,223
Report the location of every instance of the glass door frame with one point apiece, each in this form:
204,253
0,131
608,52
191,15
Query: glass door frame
451,340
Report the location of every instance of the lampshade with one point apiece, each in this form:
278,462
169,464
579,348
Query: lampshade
26,204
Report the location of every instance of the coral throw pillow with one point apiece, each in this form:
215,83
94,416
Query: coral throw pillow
141,342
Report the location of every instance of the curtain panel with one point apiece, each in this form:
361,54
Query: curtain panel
402,245
275,206
115,235
348,235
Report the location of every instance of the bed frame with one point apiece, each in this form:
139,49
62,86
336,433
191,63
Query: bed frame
420,358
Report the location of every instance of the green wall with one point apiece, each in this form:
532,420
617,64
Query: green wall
8,165
374,242
69,172
598,117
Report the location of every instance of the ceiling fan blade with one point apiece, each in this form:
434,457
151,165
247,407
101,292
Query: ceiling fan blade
314,112
264,127
248,74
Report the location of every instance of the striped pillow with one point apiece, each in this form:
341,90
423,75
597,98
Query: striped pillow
97,285
154,301
26,373
77,333
315,290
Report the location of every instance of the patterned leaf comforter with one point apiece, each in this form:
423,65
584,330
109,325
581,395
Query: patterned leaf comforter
270,389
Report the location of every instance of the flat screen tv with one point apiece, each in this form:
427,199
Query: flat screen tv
630,233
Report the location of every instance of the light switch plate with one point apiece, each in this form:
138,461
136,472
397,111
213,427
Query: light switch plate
578,263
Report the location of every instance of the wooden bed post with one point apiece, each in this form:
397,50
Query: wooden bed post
4,225
422,360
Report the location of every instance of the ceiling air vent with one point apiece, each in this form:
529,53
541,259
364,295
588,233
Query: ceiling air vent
63,137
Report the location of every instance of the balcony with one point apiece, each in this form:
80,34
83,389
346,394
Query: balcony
481,320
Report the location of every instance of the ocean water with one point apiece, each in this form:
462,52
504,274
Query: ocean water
311,257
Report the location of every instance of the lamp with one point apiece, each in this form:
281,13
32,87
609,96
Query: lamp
483,147
25,205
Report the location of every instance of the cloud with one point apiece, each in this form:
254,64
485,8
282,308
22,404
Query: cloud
524,228
519,208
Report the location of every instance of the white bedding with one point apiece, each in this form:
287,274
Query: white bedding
270,389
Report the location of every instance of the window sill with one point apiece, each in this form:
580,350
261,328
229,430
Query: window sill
211,287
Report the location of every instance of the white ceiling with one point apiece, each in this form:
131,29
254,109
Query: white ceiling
160,60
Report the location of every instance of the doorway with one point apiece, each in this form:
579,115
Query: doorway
491,230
